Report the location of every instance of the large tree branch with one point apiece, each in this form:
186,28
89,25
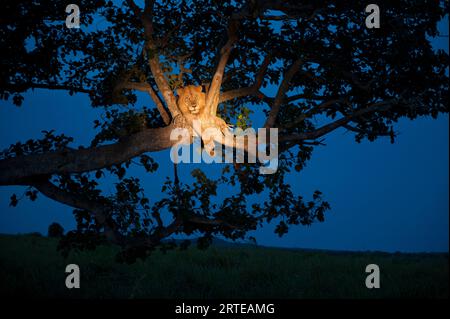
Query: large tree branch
161,81
98,211
298,137
213,96
145,87
15,170
212,99
251,90
279,98
311,112
146,18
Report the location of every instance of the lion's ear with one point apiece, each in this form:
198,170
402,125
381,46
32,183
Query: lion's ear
198,89
179,91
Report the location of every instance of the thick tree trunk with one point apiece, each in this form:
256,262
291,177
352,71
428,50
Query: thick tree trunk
17,170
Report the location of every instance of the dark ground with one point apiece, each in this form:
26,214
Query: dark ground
30,266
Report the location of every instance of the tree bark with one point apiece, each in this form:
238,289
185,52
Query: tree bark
16,170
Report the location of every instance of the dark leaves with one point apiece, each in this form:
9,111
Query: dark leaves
281,229
149,163
31,194
50,142
13,200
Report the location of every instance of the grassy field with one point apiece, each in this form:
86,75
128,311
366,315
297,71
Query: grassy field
31,267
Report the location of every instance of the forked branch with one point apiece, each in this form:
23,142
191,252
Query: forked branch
251,90
279,98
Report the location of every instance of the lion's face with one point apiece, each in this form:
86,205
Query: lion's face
191,100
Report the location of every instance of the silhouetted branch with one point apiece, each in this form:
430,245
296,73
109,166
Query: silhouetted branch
145,87
98,211
251,90
338,123
311,112
153,57
14,170
284,87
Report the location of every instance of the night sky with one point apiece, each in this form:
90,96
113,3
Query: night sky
389,197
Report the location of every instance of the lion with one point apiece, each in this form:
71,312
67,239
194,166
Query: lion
192,105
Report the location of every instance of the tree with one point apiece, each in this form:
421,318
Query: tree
320,56
55,230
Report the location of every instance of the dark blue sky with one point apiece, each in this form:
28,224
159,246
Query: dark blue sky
383,196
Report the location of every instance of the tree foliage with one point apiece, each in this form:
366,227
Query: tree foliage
317,56
55,230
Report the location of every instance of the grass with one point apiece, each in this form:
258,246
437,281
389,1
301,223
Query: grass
30,266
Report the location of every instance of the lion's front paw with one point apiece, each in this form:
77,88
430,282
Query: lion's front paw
179,121
222,125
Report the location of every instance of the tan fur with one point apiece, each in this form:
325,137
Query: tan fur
191,101
192,104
